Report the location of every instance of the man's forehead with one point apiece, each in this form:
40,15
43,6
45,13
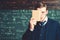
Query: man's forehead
42,9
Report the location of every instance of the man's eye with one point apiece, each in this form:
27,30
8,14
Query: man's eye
42,12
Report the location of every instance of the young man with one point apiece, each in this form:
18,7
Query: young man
45,29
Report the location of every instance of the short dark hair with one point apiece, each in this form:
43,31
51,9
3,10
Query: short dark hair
40,5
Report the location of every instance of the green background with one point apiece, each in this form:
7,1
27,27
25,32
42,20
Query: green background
13,23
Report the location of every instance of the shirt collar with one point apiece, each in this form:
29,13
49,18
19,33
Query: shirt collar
46,19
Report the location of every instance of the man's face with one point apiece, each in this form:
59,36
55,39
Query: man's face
43,12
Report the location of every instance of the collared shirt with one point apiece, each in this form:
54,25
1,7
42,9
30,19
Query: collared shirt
45,21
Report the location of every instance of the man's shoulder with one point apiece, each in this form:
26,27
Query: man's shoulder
53,21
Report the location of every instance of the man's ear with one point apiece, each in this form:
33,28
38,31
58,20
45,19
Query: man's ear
46,11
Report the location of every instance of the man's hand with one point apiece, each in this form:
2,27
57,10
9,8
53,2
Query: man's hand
32,23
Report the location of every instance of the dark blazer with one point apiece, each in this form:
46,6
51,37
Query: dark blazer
53,32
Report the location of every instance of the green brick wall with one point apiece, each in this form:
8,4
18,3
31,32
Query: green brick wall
13,23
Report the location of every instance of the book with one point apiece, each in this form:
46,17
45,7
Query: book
36,15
